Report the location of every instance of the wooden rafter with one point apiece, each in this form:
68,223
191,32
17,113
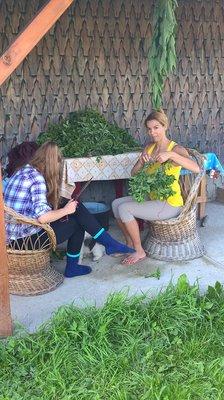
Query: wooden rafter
31,35
9,61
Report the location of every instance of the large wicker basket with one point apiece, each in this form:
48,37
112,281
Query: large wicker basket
177,239
30,272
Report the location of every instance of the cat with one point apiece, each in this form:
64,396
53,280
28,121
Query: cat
90,246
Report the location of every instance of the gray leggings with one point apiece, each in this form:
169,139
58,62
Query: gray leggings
126,209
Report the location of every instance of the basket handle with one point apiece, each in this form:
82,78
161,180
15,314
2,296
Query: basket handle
30,221
192,197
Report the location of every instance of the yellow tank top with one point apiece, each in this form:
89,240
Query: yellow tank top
175,200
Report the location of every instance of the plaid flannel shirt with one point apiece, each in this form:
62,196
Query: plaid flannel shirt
26,193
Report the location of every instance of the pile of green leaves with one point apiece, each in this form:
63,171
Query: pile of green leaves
88,133
166,348
157,183
162,53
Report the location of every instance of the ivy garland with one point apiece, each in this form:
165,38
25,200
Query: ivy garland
162,53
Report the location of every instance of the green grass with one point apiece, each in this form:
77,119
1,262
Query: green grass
168,348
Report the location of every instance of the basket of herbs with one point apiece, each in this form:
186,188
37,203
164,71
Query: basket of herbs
156,185
87,133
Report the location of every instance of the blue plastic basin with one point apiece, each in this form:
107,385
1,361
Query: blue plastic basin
96,208
100,211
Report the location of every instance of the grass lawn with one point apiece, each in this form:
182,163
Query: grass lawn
168,348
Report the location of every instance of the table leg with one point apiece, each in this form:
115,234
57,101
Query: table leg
140,224
118,183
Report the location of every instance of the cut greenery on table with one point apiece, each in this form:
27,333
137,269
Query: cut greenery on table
166,348
155,185
88,133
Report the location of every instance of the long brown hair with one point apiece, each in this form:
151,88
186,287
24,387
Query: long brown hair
48,161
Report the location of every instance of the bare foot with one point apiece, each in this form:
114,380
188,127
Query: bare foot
134,258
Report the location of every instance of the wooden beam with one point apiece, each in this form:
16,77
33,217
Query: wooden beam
5,314
31,35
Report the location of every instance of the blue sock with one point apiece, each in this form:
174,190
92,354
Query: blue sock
111,245
73,268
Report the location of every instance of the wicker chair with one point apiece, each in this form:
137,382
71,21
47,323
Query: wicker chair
177,239
30,272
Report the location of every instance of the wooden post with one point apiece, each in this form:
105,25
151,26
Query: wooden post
5,314
31,35
9,61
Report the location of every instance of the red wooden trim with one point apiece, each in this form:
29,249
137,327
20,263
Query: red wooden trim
31,35
5,314
118,183
140,224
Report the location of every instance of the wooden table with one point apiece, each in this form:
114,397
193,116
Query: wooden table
116,168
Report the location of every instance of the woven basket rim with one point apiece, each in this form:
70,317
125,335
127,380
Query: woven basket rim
49,280
175,220
30,253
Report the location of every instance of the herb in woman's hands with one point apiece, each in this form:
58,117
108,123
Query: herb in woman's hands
157,184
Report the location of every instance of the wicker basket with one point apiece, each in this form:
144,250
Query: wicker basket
177,239
30,272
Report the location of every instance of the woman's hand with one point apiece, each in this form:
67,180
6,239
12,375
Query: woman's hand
163,157
54,215
179,156
70,207
144,158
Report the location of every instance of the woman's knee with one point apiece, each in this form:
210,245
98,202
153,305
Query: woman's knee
125,213
115,204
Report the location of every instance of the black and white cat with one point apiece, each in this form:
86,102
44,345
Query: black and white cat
90,246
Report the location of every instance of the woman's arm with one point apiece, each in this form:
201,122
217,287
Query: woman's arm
137,167
54,215
179,156
42,210
144,157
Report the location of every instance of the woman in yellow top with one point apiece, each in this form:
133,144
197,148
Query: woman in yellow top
126,210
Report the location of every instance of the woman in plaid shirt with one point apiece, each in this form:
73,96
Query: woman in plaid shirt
34,191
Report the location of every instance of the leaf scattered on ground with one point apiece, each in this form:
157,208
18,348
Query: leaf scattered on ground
156,274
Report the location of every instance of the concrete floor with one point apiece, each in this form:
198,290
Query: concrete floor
109,276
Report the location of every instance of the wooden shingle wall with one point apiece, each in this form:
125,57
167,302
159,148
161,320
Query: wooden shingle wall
96,56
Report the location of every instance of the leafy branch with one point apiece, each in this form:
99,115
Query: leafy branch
156,185
162,53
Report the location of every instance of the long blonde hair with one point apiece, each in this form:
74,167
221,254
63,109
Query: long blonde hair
158,115
48,161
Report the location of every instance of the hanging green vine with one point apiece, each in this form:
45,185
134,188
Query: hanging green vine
162,53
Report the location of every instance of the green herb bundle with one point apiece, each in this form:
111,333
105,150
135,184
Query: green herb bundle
88,133
162,53
157,183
